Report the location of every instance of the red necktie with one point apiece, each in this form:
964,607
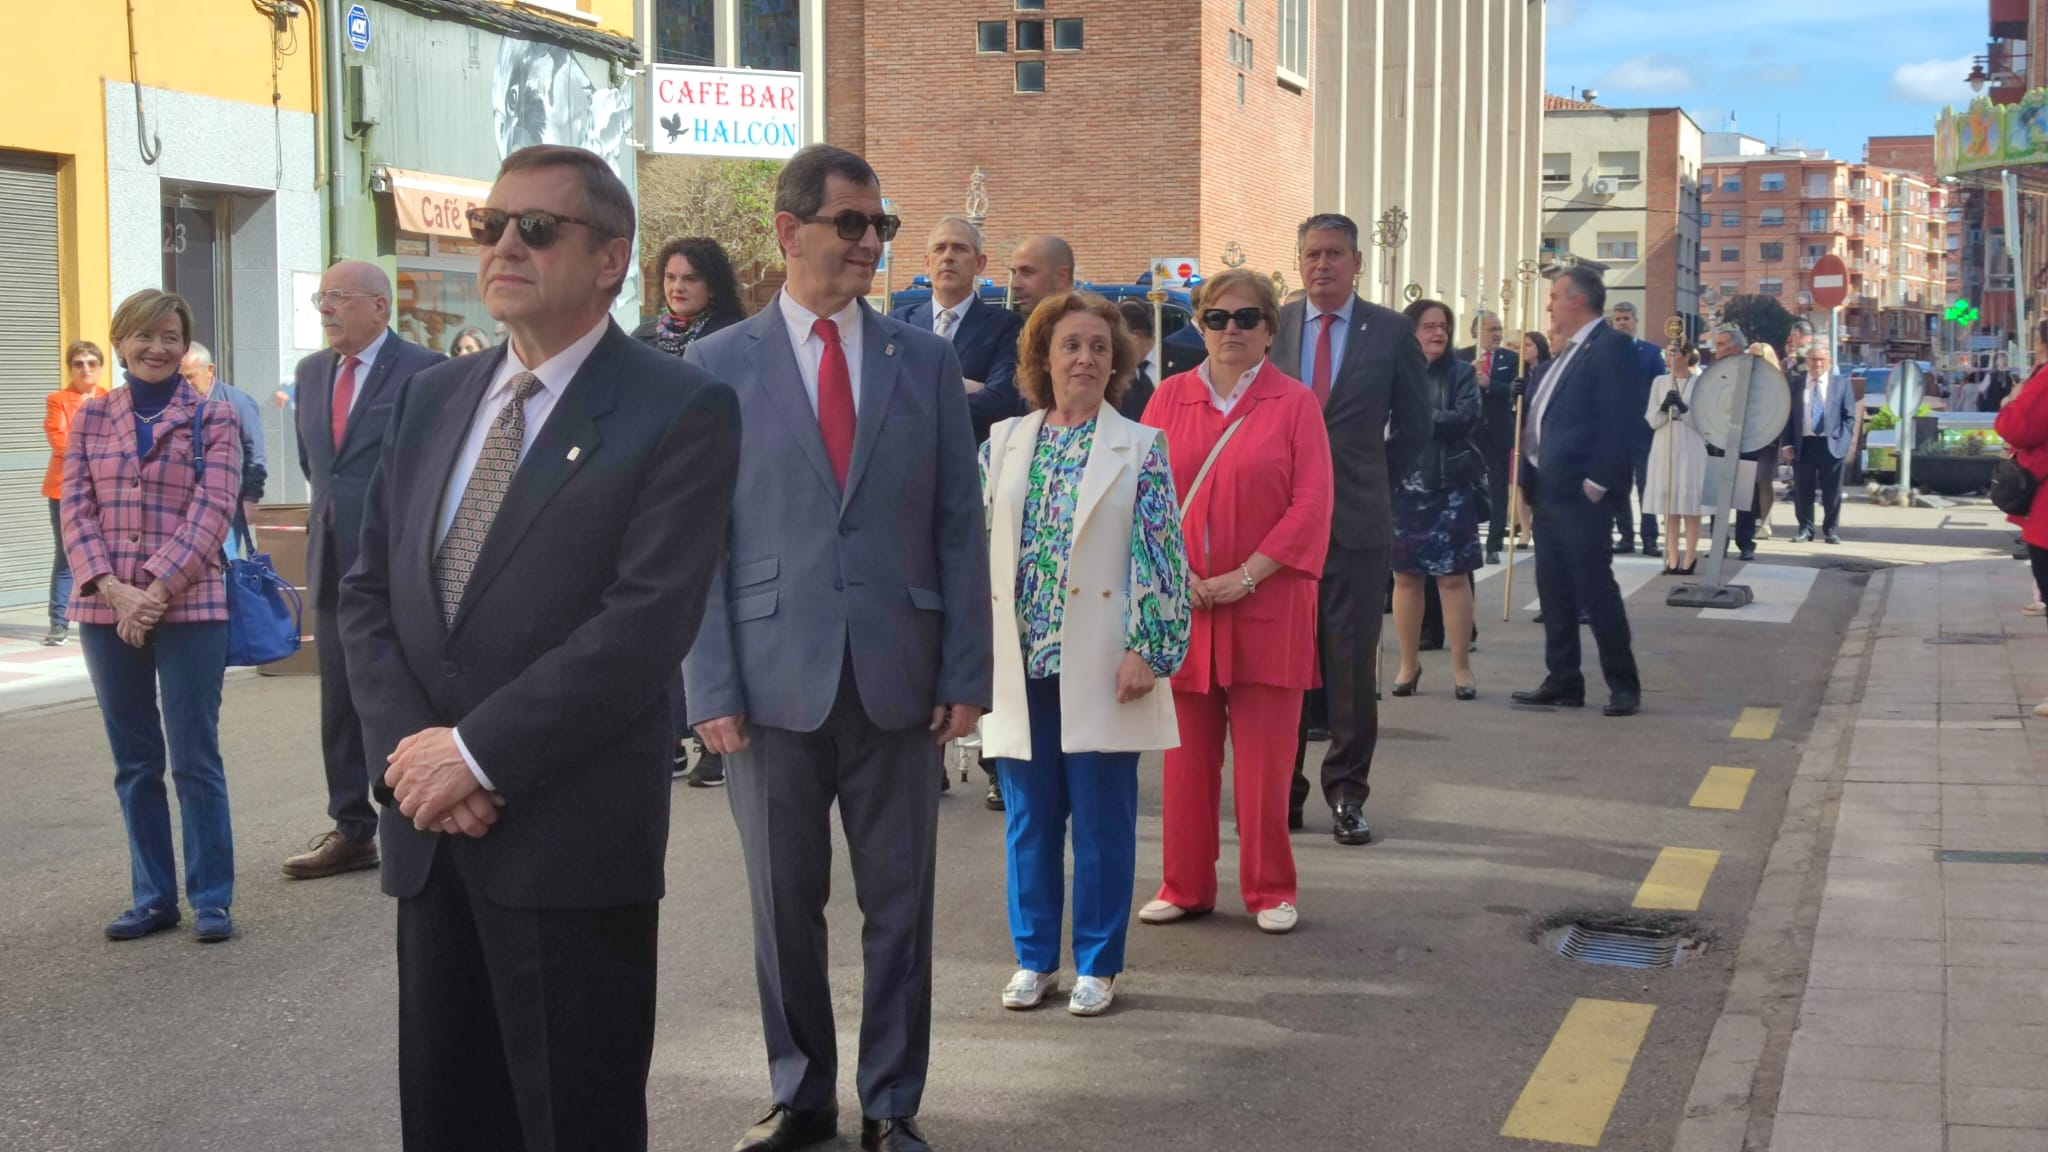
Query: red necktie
835,400
1321,383
344,395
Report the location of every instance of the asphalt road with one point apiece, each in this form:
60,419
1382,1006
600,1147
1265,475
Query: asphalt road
1407,1012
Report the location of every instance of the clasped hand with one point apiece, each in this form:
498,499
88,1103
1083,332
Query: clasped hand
1217,591
1673,403
136,610
435,788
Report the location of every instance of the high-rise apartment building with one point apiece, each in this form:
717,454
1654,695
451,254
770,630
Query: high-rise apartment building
1621,187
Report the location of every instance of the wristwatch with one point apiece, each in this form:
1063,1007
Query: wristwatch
1250,585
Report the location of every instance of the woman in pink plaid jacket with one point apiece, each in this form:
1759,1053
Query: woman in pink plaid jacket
150,477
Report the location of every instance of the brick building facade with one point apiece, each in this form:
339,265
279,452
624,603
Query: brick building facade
1621,187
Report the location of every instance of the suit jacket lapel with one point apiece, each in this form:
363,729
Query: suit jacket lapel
366,394
881,361
1287,342
322,397
1354,343
442,452
1579,354
775,364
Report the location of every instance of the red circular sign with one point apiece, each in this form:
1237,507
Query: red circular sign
1830,281
1186,270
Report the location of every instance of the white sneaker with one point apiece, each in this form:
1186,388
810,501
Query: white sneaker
2041,709
1279,920
1092,996
1027,989
1163,912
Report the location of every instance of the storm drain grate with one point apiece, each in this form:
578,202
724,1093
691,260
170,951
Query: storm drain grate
1967,638
1622,946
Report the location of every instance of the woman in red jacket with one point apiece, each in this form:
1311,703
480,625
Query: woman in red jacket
2023,425
1257,528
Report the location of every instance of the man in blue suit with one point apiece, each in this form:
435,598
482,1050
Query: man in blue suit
1649,364
1575,451
984,337
1817,439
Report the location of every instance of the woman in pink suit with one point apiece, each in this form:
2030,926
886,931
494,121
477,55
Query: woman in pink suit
1257,527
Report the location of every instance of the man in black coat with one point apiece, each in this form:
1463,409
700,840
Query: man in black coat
1649,364
1575,451
1495,367
532,570
345,397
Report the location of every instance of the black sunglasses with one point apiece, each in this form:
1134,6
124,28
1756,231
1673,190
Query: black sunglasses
1247,319
853,224
537,229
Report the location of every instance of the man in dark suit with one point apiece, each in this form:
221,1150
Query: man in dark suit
1041,267
1495,367
1364,364
984,338
1137,316
1183,350
1649,364
533,567
1575,450
345,398
847,641
1818,437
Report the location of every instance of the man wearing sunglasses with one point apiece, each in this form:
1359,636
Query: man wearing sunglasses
846,641
534,563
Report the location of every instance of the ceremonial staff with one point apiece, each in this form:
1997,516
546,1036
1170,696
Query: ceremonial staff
1526,273
1674,328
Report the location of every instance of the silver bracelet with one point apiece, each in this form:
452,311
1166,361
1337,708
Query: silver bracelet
1250,585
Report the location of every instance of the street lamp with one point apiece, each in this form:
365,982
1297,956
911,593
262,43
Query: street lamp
1979,75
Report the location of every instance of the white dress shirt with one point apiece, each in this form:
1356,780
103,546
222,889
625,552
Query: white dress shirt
554,375
365,360
1226,403
810,350
1311,328
1816,405
959,315
1548,388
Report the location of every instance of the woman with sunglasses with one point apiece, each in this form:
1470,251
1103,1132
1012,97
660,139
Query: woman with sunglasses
59,409
1251,460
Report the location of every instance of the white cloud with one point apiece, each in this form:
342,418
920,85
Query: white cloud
1560,14
1932,82
1657,73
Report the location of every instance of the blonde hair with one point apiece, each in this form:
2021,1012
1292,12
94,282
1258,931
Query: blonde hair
145,310
1261,289
1767,353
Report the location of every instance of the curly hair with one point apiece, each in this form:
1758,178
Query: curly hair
1034,347
707,259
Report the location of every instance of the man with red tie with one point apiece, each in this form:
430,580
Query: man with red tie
345,396
846,640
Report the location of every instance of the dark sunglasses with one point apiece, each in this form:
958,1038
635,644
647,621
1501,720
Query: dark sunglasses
853,225
85,362
537,229
1247,319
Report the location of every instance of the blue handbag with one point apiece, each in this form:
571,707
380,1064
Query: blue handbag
263,609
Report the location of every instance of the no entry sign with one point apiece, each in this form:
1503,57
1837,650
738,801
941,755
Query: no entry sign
1830,281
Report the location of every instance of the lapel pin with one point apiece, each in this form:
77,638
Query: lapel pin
888,349
575,452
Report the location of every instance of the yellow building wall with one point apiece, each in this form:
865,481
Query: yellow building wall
53,91
615,16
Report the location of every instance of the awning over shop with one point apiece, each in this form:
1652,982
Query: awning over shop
435,204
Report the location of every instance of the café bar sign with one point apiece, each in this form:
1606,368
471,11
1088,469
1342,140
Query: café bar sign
745,113
1985,136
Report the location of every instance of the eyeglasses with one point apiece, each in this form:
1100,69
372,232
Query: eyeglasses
537,229
1247,319
85,363
337,298
853,224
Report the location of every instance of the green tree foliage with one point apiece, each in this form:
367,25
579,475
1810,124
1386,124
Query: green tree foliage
731,201
1761,318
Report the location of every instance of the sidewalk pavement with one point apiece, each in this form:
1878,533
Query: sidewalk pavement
1891,994
32,676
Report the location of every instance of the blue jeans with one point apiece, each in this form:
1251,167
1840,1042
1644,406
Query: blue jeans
60,572
1100,791
187,661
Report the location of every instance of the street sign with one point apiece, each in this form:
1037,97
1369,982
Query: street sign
359,28
1175,271
1830,281
742,113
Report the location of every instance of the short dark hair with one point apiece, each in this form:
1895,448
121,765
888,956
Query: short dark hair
1586,285
1542,344
1327,222
1137,317
1420,308
800,189
707,259
606,203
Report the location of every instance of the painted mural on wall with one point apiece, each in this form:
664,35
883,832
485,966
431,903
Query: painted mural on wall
544,96
1985,135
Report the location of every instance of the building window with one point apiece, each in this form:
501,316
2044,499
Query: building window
771,35
437,290
1770,253
1555,245
1771,182
1240,11
1706,257
1816,219
1731,182
1066,34
1030,5
1771,218
1030,75
1729,288
992,36
1240,89
1241,50
1731,255
1730,220
1770,287
1820,184
1617,246
1621,166
684,32
1557,169
1293,40
1030,35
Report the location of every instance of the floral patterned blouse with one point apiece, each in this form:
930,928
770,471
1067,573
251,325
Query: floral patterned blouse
1156,616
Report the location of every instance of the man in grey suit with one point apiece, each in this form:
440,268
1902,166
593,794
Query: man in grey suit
846,640
345,398
1365,365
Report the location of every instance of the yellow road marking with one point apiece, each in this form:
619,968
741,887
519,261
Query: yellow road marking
1573,1091
1678,879
1755,724
1724,788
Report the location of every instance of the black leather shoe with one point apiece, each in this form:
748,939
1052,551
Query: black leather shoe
1803,536
1622,704
897,1135
785,1129
1465,691
1548,695
1319,735
1348,826
1407,687
1623,547
1749,553
1833,538
1493,555
1651,549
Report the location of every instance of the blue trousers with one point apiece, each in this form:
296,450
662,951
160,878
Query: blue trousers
60,572
186,662
1100,791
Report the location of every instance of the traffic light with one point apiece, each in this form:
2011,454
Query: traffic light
1962,312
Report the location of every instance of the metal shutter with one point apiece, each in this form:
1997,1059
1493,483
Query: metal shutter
31,367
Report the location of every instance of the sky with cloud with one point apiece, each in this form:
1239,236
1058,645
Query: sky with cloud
1818,73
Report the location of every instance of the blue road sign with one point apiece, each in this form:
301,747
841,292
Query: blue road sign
359,28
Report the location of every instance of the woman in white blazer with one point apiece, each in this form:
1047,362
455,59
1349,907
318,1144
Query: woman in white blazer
1678,461
1091,612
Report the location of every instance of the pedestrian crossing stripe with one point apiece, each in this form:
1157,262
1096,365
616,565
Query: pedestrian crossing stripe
1572,1093
1779,590
1724,789
1678,879
1755,724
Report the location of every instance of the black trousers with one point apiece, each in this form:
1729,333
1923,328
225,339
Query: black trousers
1574,574
2037,558
1351,603
1817,470
1497,460
1624,512
522,1029
341,730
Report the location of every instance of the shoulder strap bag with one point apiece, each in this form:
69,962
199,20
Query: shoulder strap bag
264,612
2013,487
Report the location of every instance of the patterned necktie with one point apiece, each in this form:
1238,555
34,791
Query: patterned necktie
835,400
946,320
344,397
1815,397
1321,384
488,482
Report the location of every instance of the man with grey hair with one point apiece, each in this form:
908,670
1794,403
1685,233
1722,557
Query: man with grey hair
199,370
1649,365
1495,367
984,337
1729,342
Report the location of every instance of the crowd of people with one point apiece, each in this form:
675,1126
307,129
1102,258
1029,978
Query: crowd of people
538,599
